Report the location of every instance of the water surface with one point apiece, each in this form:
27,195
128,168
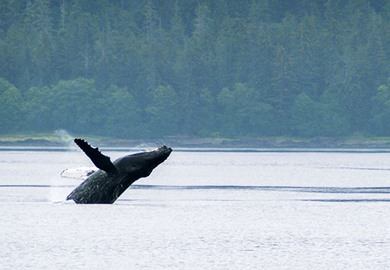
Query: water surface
201,210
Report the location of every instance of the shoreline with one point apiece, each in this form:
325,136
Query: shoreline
214,143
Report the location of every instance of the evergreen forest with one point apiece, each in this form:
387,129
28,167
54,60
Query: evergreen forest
197,68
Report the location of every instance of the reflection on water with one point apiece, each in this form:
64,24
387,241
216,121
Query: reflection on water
201,210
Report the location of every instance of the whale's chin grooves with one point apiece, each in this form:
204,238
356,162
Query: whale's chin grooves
113,178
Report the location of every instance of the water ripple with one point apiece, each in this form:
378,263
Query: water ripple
307,189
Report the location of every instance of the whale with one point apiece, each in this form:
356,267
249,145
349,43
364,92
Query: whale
112,178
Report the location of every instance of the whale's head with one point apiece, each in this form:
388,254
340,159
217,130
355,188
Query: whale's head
142,164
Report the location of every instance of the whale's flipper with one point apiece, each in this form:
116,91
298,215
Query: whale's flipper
101,161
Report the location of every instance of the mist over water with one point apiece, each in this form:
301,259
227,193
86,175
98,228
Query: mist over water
201,211
64,137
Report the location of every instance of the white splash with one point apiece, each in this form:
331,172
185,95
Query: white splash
57,194
145,147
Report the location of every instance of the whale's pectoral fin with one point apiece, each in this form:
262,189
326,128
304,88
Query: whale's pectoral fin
101,161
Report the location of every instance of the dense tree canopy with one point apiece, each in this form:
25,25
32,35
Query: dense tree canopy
251,68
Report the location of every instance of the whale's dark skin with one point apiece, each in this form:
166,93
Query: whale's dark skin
113,178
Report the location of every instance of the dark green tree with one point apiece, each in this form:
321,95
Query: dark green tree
243,112
38,109
74,106
163,112
313,119
380,121
10,108
118,114
39,42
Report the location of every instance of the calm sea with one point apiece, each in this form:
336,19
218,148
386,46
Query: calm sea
201,210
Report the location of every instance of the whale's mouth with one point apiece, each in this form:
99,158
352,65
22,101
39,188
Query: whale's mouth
165,149
161,154
149,159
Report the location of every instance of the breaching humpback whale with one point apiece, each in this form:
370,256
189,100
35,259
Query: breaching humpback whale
113,178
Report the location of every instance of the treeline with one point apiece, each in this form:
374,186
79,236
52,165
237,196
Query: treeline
252,68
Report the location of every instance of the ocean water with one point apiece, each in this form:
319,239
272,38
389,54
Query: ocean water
201,210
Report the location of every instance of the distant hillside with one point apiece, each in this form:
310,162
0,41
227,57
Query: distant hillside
232,69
